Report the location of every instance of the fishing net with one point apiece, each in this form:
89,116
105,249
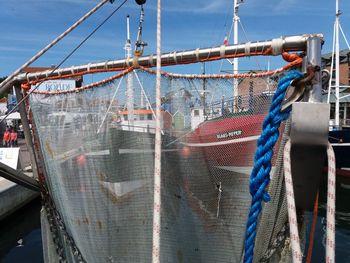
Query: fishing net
97,146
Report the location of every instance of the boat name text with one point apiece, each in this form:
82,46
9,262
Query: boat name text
229,134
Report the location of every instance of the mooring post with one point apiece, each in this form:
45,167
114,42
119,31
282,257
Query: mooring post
26,129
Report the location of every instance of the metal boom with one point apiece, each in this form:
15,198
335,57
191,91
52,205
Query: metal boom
276,46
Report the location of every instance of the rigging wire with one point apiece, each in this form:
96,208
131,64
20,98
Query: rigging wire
5,83
256,59
246,37
66,58
228,37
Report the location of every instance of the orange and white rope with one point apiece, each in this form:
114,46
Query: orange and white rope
293,224
294,60
89,86
292,215
157,155
269,73
330,240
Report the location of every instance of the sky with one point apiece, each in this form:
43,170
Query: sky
27,26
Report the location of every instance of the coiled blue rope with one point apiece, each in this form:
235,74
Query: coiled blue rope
260,176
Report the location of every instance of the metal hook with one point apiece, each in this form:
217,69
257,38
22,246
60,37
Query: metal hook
296,95
300,86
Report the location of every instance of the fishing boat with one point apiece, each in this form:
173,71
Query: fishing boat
226,131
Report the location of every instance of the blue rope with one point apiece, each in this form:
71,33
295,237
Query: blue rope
259,178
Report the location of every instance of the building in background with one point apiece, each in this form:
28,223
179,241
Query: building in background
344,91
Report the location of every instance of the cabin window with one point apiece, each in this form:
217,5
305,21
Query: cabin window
196,112
125,117
149,116
142,117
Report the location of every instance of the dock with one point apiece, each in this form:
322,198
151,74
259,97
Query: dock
14,196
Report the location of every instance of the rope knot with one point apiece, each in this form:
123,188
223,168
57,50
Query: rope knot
25,86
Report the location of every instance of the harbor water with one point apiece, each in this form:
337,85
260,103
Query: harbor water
21,235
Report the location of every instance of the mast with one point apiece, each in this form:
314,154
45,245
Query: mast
130,86
337,63
235,60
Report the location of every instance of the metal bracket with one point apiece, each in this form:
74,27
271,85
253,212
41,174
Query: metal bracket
310,124
309,138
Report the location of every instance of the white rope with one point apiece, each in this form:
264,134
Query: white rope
110,105
157,155
293,224
277,46
292,217
330,243
247,49
144,94
54,42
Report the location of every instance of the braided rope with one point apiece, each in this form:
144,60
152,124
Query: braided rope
157,191
330,244
297,61
297,254
89,86
259,178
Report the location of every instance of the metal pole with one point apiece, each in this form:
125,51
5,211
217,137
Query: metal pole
337,66
27,132
6,83
314,58
288,44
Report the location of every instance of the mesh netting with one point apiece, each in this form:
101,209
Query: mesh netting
98,150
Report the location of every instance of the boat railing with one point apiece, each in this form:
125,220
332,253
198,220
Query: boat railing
242,104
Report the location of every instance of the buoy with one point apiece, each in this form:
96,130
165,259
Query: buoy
185,151
81,160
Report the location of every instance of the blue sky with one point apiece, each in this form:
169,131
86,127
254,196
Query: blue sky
29,25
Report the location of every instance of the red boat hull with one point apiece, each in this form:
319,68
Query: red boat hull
226,142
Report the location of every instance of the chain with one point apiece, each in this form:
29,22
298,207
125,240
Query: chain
277,243
57,227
